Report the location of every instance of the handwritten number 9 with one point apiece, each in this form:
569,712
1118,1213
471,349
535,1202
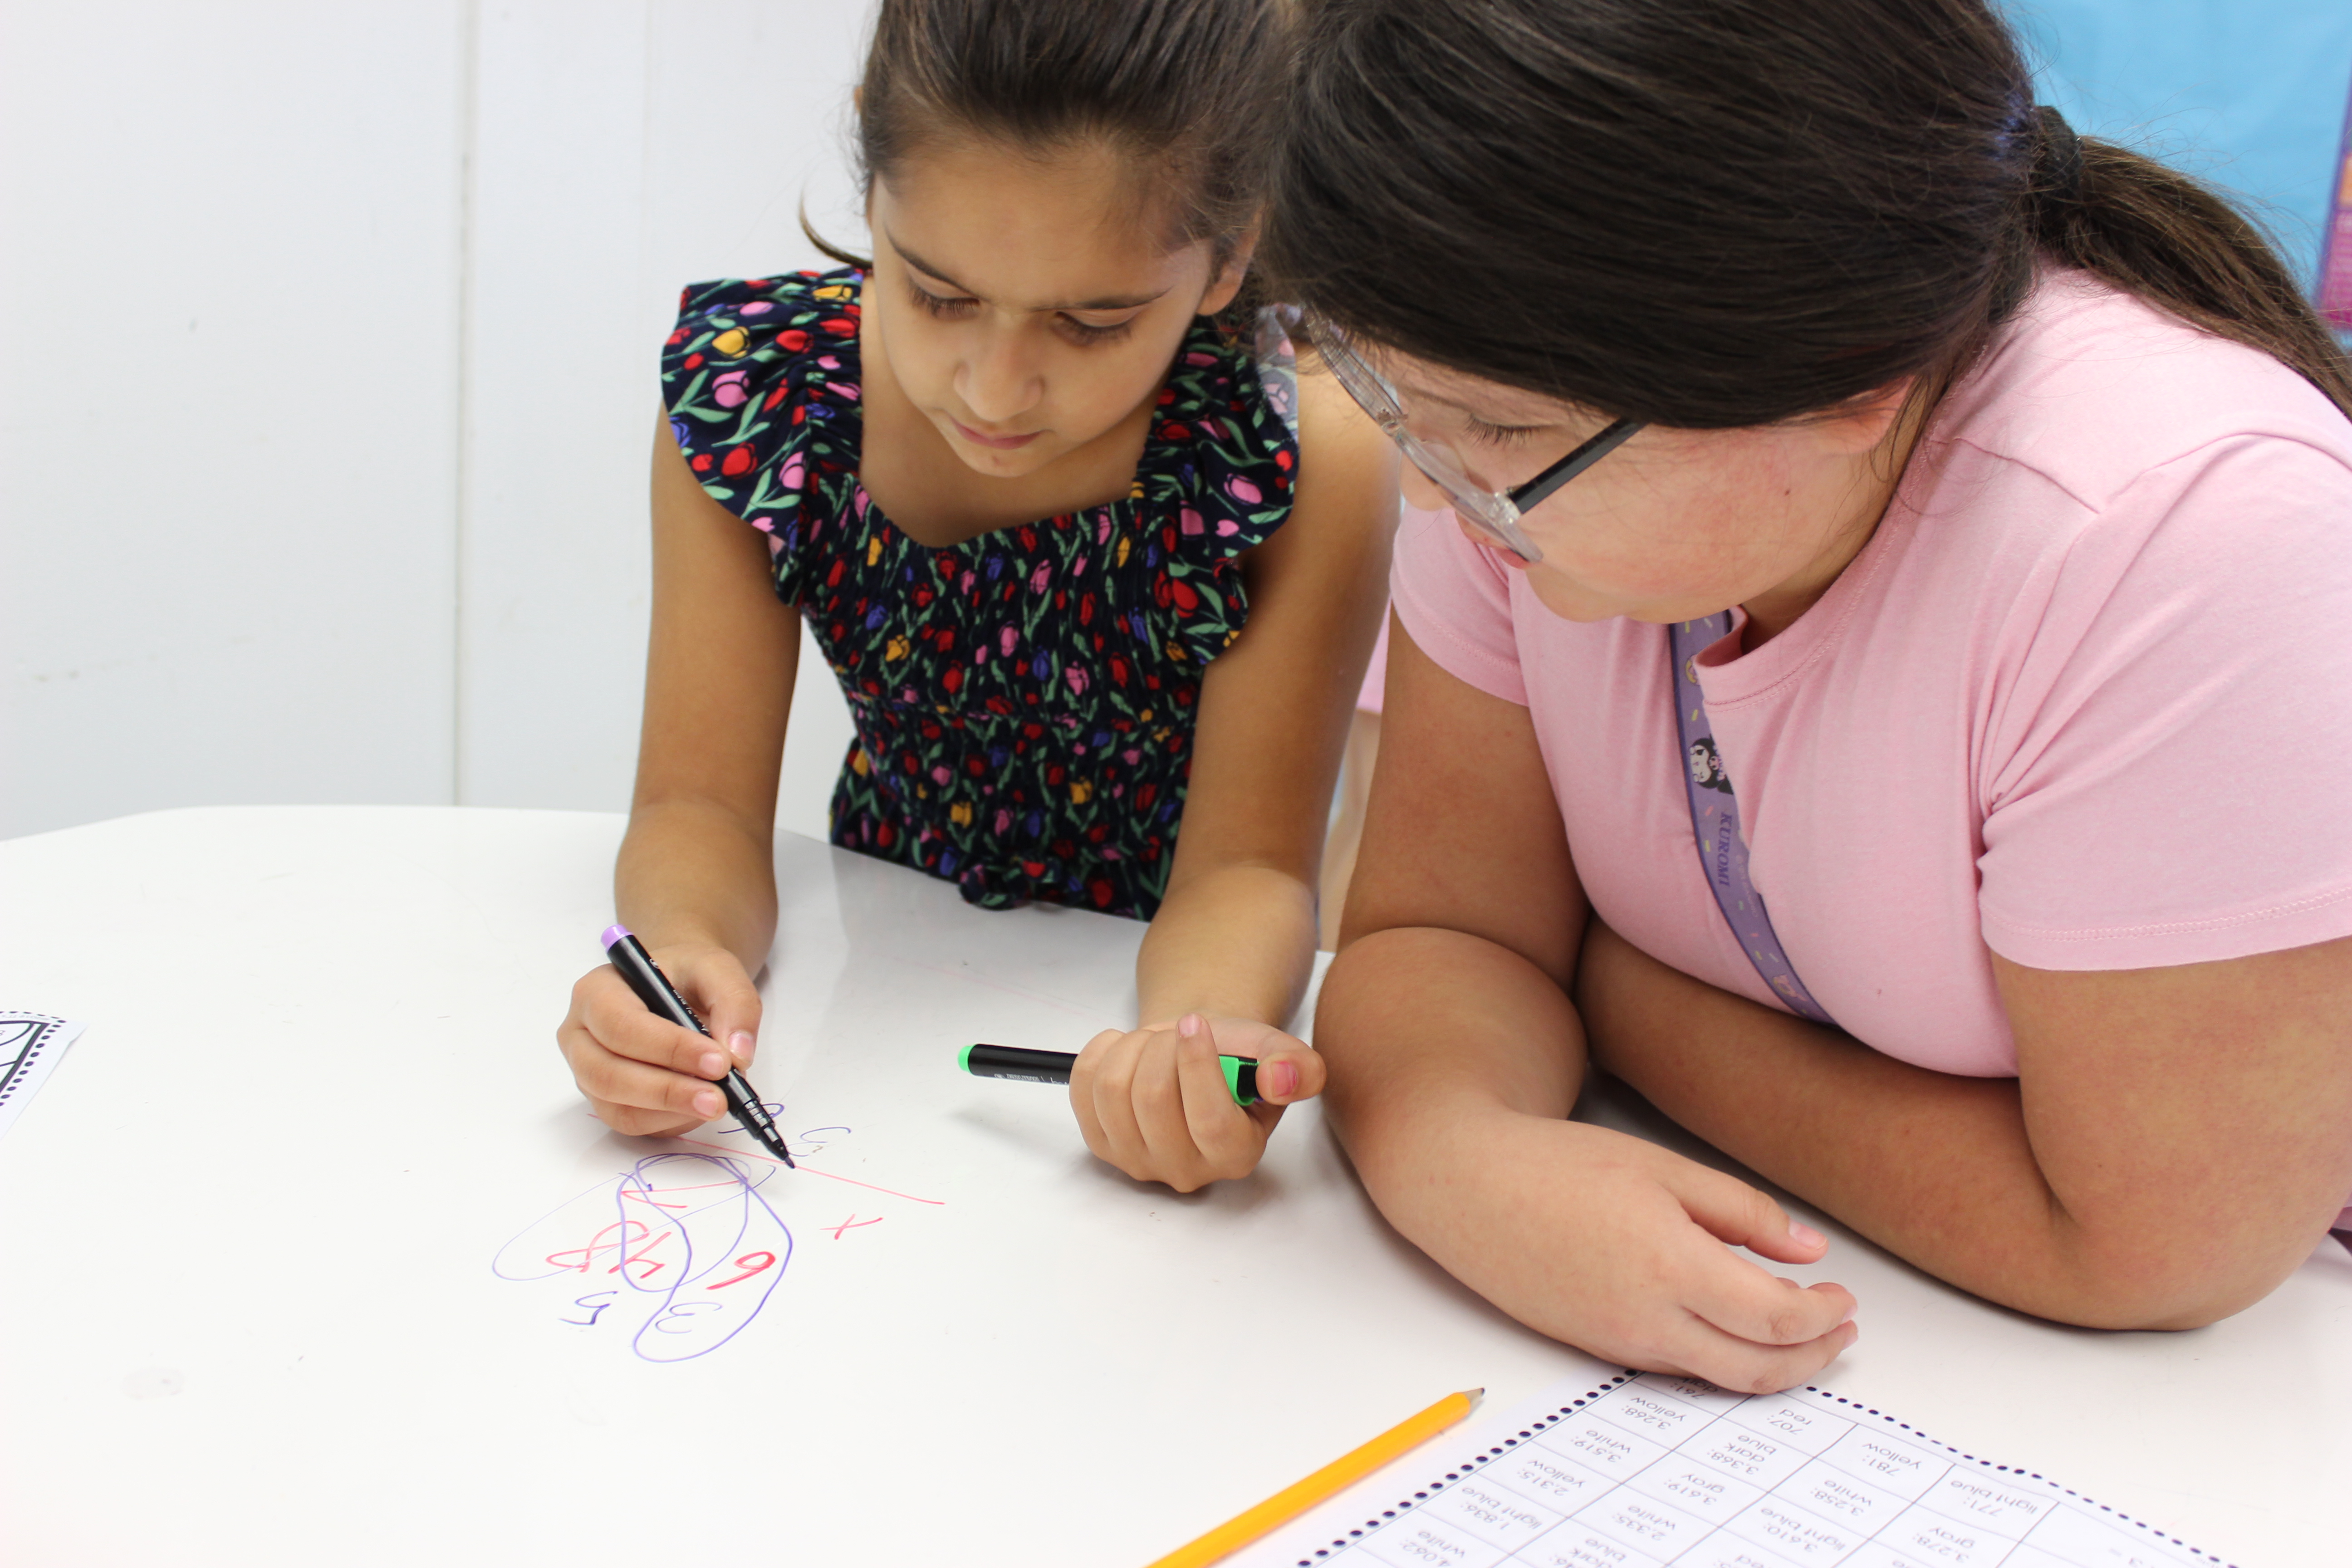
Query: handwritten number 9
751,1263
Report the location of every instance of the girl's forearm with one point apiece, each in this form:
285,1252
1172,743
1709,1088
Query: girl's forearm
1421,1024
1237,941
1937,1169
690,871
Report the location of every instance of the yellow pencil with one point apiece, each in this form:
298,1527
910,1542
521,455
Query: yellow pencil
1293,1500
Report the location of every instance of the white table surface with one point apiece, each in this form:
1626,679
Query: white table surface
250,1318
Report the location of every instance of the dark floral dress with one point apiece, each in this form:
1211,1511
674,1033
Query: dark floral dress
1023,702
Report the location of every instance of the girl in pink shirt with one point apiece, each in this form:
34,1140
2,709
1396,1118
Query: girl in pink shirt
1881,691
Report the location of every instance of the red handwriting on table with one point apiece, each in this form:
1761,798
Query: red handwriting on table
764,1261
631,1239
852,1222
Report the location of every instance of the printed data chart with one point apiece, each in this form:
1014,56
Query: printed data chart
1654,1470
31,1046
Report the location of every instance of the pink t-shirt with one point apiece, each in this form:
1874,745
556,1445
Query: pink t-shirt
2085,699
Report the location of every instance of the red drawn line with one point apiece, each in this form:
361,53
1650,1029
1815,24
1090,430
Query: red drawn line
738,1154
872,1188
812,1170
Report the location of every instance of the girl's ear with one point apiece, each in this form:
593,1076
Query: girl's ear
1228,280
1861,424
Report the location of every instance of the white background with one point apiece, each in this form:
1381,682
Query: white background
330,340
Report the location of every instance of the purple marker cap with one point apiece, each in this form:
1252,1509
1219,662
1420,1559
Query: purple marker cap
613,936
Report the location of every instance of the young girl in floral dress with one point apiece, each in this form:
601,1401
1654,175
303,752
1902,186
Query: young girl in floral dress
1096,574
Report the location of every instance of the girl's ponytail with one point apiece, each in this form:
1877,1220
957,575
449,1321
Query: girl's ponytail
2155,232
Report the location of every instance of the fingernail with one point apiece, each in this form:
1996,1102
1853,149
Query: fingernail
1849,1312
1278,1080
1188,1026
743,1044
1804,1235
706,1104
710,1064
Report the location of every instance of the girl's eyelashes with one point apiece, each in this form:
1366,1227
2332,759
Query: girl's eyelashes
956,309
1499,434
1085,333
944,309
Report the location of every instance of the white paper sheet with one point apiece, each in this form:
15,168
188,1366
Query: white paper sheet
1650,1470
30,1046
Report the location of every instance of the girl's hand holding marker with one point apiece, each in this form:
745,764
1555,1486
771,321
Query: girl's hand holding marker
1186,1103
1154,1101
644,1075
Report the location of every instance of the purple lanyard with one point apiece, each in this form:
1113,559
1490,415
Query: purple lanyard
1714,820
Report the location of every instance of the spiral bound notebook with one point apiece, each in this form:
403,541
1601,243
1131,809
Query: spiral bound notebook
1649,1470
30,1045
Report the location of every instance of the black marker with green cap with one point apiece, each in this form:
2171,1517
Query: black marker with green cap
1053,1067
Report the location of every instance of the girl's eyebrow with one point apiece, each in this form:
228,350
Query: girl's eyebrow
1118,302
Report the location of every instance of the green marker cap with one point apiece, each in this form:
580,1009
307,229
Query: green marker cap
1241,1078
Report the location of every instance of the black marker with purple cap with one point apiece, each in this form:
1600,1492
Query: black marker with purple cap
662,1000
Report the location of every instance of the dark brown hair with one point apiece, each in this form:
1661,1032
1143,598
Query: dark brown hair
1721,213
1189,91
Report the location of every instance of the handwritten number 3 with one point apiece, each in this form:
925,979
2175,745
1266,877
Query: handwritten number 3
751,1263
682,1315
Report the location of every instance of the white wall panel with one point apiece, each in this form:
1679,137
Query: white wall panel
624,148
559,408
229,238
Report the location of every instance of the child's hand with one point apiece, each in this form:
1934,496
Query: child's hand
1154,1102
646,1074
1617,1247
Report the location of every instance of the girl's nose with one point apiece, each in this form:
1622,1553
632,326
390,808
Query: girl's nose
998,382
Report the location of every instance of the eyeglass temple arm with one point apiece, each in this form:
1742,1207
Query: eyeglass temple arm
1533,493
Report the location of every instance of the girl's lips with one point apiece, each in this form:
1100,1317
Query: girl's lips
997,443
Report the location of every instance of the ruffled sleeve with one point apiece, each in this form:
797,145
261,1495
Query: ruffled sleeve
1217,477
759,377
